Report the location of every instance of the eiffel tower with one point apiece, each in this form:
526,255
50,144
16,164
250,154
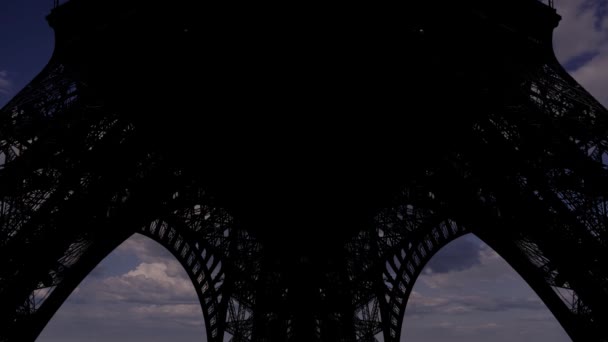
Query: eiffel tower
303,162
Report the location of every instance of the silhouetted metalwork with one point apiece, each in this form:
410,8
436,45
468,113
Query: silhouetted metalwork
303,163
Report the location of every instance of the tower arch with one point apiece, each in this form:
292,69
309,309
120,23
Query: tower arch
204,242
414,235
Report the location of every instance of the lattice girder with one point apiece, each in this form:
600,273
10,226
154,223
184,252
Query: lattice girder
515,151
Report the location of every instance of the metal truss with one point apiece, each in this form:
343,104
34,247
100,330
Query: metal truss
525,171
552,199
219,259
407,237
49,170
39,170
551,137
389,259
212,252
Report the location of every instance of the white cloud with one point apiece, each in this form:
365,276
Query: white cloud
147,283
489,270
154,298
156,277
583,31
593,76
580,31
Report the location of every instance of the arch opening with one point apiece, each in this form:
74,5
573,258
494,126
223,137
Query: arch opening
139,292
467,292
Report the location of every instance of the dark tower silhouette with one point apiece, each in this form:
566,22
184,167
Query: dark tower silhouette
303,162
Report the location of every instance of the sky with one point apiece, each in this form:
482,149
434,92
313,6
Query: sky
466,293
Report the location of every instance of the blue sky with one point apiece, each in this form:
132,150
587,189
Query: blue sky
26,43
466,293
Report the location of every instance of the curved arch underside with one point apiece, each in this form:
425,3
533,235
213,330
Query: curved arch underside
139,292
412,236
467,292
200,237
523,166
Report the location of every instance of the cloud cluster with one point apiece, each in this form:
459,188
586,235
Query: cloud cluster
581,44
489,268
485,298
157,279
450,292
582,30
476,295
153,298
148,283
465,256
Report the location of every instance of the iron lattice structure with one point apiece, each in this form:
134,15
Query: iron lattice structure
303,167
